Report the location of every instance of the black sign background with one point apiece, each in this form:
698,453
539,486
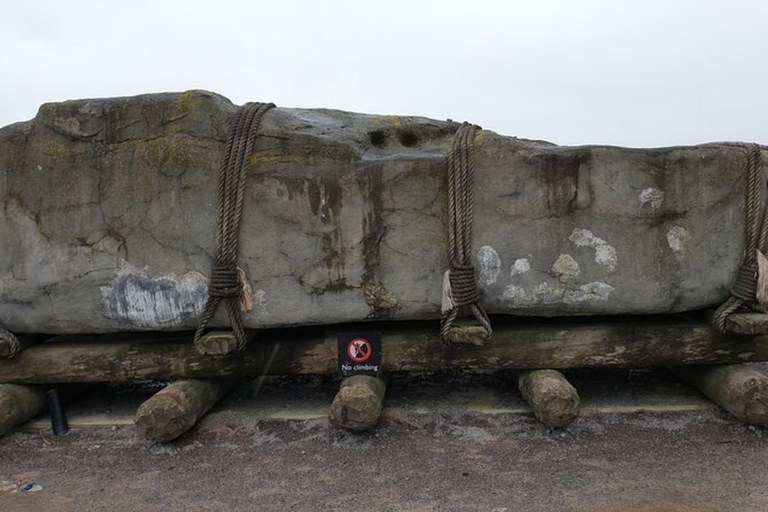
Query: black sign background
348,365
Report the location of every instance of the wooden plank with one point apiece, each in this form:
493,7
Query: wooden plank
553,400
736,388
8,351
418,348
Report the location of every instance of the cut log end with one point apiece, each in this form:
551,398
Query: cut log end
553,400
736,388
747,324
19,404
216,343
358,403
174,410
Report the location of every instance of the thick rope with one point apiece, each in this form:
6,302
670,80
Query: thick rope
459,281
228,283
744,292
12,342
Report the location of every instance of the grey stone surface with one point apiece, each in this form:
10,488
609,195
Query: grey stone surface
108,213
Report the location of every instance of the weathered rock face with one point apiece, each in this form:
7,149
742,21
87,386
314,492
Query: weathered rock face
108,217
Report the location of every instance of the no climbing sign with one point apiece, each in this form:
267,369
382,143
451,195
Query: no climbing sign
359,353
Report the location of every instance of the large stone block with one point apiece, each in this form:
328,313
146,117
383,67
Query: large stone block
108,216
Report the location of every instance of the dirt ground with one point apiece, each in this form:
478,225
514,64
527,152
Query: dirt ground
447,458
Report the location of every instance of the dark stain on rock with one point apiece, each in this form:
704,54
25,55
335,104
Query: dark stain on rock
313,190
374,229
565,176
382,302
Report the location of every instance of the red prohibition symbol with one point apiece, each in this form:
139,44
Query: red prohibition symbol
359,350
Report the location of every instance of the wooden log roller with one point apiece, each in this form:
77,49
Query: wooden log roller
178,407
19,404
738,389
358,403
553,400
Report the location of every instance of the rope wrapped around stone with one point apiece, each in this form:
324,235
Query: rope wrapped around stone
459,281
750,283
9,344
228,282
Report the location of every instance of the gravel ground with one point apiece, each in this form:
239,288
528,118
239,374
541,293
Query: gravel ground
449,458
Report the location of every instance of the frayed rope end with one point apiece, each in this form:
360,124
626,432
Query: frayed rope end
762,281
448,304
246,292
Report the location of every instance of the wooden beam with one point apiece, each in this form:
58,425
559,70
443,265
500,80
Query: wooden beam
749,324
736,388
558,345
175,409
19,404
553,400
357,405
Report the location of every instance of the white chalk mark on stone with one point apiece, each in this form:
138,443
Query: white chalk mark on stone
651,198
605,254
140,300
260,301
490,264
521,266
678,238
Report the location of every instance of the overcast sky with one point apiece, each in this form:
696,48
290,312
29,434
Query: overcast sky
626,72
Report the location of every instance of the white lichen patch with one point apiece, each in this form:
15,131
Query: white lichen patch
521,266
489,263
146,302
605,254
678,239
651,198
566,269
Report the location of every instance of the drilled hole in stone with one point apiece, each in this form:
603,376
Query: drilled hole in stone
378,138
408,138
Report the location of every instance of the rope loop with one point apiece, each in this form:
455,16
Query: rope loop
460,281
744,292
228,282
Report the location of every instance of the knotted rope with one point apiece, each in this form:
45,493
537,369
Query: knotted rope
459,282
228,282
750,290
10,344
